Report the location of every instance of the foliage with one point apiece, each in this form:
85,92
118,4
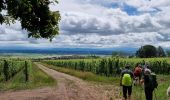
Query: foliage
34,15
168,53
146,51
106,67
9,68
160,52
111,66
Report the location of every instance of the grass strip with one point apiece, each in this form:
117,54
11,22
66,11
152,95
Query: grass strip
37,79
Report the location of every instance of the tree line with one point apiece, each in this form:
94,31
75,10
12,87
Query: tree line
149,51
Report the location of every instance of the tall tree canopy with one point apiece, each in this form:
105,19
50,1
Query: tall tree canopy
146,51
34,15
160,52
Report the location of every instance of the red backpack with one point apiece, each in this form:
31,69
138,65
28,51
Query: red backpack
137,71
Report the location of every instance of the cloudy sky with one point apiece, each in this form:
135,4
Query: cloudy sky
101,24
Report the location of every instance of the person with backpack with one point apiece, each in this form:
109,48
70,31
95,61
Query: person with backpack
137,73
150,83
126,82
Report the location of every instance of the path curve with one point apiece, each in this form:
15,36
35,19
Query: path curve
68,88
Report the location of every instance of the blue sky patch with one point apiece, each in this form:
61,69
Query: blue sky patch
130,10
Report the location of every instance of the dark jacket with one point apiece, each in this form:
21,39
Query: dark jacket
126,71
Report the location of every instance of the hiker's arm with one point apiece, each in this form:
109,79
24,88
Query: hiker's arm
142,80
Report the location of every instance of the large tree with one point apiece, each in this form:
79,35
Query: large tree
146,51
35,16
160,52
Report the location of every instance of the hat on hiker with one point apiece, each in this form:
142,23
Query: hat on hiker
127,66
146,65
147,71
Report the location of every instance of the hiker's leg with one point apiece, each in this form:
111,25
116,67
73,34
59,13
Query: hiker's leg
129,91
151,94
125,92
148,94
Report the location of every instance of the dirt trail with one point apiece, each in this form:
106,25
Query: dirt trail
68,88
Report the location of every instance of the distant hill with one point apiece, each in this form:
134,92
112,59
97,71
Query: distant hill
68,51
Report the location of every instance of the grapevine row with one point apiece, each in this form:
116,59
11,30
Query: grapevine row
9,68
110,66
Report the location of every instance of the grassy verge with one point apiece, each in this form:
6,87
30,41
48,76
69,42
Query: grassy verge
88,76
37,79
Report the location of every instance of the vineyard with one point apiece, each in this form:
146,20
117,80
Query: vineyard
22,74
112,66
9,68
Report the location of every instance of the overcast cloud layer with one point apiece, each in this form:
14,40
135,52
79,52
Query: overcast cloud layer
103,24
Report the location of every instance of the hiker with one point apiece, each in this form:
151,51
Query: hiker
126,81
150,83
137,73
168,91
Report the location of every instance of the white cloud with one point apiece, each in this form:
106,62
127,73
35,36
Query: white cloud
147,5
102,23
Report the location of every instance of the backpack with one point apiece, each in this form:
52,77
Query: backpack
151,81
137,71
154,81
126,80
